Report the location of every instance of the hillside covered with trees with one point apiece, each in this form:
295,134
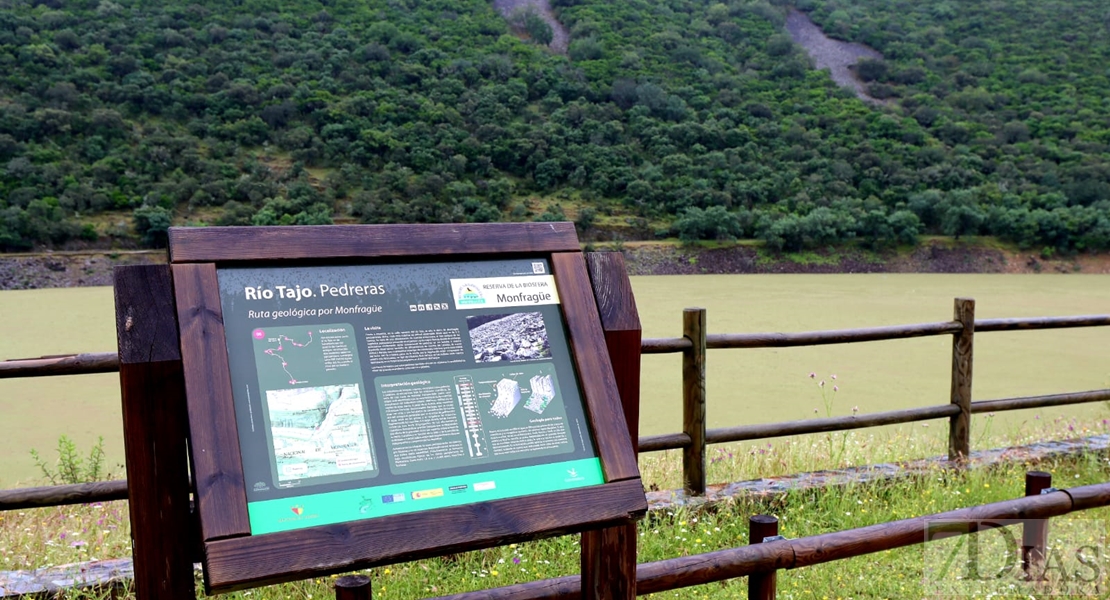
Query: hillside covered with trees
683,117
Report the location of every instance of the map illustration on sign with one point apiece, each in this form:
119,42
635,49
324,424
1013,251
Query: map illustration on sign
277,352
313,397
318,431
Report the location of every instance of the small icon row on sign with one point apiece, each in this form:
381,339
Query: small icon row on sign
428,306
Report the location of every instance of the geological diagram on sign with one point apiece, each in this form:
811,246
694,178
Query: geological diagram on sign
473,429
508,396
542,389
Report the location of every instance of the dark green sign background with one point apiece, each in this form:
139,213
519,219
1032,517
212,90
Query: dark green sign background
366,390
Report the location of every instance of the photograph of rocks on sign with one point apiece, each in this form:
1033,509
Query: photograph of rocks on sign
511,337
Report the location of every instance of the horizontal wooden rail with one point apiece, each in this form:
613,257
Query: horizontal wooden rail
1004,404
667,441
699,569
819,338
58,495
870,334
665,345
106,362
70,364
769,430
1032,323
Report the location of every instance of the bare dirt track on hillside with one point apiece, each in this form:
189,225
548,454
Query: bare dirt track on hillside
560,37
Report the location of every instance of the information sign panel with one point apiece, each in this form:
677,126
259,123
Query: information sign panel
349,385
370,390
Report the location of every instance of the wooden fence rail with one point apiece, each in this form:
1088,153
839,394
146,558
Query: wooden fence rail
763,559
60,495
694,437
694,345
69,364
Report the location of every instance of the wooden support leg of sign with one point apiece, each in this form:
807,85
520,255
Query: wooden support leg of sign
609,555
154,430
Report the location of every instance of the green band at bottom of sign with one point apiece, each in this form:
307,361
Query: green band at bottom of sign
310,510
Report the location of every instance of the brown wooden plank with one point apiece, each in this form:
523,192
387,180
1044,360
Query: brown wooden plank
1028,324
761,586
693,401
666,441
591,357
1034,532
60,495
237,563
154,432
210,244
959,425
620,322
820,338
616,304
608,561
664,345
568,587
770,430
73,364
1002,404
214,441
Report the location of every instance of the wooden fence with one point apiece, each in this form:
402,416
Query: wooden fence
694,343
761,560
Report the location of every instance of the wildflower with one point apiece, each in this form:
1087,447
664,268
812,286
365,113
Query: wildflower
836,388
855,409
833,376
812,375
516,560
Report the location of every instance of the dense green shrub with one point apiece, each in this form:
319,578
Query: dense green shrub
296,112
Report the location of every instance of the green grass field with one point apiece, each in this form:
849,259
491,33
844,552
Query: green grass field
40,538
744,386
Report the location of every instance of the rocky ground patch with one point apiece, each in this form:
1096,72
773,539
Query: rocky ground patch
519,336
92,267
68,269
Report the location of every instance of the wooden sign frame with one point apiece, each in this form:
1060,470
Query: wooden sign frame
233,558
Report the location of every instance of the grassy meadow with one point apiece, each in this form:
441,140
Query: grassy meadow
744,386
62,535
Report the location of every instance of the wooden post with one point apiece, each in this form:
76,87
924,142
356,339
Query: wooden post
761,586
608,561
353,587
693,401
1034,532
155,428
959,424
